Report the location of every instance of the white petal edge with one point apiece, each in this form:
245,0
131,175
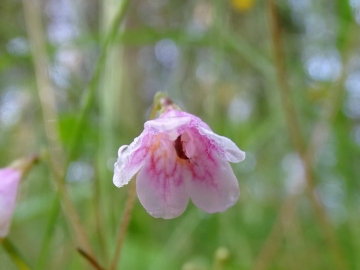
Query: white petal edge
173,125
231,152
126,167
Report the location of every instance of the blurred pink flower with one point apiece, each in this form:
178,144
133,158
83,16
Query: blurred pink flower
178,156
9,182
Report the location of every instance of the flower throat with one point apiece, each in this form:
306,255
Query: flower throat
179,148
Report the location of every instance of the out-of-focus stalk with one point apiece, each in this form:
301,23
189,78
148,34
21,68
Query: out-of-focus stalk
15,255
47,100
295,133
111,85
90,259
124,224
332,102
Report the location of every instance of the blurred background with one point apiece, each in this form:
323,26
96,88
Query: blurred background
282,80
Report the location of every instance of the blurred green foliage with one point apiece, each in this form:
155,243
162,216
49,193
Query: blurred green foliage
215,59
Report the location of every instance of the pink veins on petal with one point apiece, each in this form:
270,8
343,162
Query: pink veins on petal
178,157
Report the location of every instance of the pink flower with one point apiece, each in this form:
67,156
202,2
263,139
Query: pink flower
9,182
177,157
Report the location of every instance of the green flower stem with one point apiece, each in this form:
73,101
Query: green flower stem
14,254
45,247
124,224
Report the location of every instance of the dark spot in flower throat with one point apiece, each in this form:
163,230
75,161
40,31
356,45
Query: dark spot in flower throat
179,148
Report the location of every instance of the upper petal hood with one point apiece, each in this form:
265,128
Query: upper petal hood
174,123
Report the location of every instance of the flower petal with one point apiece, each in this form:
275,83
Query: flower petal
224,146
174,123
173,126
131,159
9,182
211,183
160,183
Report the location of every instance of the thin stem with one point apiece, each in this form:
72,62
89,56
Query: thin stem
295,134
284,89
318,139
43,255
47,99
14,254
109,92
272,242
99,220
332,102
124,224
90,259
